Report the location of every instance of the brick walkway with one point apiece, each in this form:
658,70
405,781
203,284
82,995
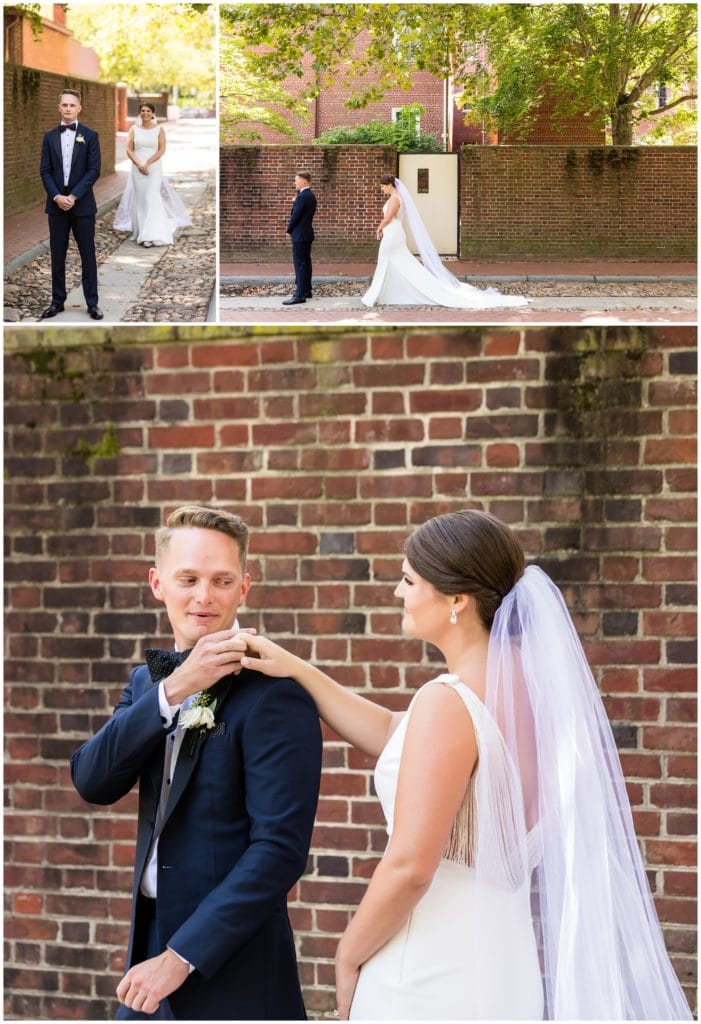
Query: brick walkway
505,267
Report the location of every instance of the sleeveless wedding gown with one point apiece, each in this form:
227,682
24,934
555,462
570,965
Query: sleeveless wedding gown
150,208
468,949
401,280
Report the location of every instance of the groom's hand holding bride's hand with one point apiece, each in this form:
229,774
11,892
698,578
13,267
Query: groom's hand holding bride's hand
263,655
213,657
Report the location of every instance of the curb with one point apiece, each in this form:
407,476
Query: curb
41,247
484,278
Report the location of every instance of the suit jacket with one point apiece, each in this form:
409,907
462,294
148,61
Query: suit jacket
236,835
85,170
299,227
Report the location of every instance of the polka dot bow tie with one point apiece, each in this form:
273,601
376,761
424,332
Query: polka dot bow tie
163,663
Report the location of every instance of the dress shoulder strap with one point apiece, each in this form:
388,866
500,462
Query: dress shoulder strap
460,847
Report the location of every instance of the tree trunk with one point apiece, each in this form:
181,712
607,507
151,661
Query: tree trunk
622,122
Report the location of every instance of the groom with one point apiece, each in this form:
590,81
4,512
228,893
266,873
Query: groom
228,765
70,166
301,232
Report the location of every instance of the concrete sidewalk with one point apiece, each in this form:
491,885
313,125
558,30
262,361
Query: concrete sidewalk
562,291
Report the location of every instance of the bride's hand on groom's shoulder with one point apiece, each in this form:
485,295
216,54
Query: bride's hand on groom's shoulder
263,655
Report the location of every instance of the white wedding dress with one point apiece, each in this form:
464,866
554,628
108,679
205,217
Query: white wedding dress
401,280
468,950
150,208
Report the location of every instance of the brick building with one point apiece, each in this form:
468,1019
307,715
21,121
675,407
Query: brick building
333,446
55,49
442,118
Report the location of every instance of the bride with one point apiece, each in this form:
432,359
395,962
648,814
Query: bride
400,280
510,832
150,208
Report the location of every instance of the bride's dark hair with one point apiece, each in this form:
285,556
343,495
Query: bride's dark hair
387,179
468,552
149,105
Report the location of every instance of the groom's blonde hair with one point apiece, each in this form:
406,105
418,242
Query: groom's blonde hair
70,92
206,519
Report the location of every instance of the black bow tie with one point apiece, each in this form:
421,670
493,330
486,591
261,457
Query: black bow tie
163,663
69,127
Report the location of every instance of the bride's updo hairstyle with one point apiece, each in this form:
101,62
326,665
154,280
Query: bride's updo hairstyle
388,179
468,552
150,106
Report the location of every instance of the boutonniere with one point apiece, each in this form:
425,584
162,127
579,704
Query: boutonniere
80,138
199,717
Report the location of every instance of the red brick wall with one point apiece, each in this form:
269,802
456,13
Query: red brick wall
578,130
578,201
31,109
257,190
514,200
333,448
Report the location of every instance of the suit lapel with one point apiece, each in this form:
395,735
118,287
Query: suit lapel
189,754
56,143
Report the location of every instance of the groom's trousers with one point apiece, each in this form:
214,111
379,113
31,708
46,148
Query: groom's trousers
302,259
61,224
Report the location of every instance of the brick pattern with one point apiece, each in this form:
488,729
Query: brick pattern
31,109
560,201
333,449
579,201
257,191
577,130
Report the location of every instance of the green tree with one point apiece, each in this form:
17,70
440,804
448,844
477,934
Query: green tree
151,47
247,101
504,59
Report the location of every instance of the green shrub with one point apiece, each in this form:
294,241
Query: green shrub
402,133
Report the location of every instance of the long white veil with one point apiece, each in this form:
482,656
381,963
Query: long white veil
562,817
427,250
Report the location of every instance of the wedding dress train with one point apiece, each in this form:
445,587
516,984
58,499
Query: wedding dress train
401,280
150,208
468,949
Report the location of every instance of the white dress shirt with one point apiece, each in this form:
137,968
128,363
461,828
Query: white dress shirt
67,144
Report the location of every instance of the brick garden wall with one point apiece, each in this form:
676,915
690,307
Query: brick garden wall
257,191
31,109
571,201
578,201
332,446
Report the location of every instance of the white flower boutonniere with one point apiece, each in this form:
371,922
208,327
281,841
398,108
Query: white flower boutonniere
200,714
80,138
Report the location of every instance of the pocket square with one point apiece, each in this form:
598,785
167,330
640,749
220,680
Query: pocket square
218,730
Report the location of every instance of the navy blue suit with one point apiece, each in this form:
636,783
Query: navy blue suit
236,836
85,170
300,230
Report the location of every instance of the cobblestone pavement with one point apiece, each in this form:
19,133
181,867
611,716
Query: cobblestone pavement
533,289
28,290
553,301
180,286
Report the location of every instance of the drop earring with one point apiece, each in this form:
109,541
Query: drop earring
453,618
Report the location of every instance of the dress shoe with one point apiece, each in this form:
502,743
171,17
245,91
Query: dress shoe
96,313
293,301
54,309
309,295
